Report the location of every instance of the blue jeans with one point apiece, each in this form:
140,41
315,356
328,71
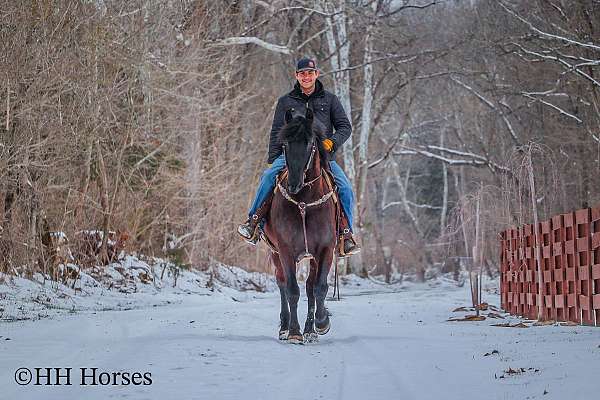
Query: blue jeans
268,180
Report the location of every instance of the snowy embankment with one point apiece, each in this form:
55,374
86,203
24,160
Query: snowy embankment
207,340
133,282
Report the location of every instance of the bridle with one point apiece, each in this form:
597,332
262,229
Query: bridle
307,166
301,205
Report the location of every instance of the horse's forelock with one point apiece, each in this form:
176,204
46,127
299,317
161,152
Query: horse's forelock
295,131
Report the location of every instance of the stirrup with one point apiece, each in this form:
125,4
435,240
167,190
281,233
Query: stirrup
248,232
342,251
252,240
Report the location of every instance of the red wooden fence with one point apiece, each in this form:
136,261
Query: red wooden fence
569,245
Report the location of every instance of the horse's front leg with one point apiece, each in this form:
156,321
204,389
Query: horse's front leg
309,326
284,314
322,323
293,295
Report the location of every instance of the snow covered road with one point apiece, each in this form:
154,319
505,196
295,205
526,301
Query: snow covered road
386,345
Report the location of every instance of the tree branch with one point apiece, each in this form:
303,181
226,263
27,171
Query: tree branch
410,203
475,159
491,105
560,110
409,6
254,40
546,34
569,67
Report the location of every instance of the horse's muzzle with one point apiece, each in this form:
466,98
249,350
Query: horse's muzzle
294,189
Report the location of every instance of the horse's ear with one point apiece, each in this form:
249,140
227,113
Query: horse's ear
309,114
288,116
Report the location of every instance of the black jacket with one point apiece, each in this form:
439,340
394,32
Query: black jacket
327,108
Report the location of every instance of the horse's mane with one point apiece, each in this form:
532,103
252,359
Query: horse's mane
297,130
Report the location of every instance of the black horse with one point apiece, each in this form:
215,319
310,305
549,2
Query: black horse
302,224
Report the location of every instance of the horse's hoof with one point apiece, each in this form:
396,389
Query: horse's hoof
295,339
283,335
323,330
311,337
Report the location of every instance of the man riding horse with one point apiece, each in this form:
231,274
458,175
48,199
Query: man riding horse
308,92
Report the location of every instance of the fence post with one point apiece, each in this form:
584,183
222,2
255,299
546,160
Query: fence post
595,262
558,253
569,285
504,246
546,267
582,261
530,272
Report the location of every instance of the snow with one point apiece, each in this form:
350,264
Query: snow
59,235
133,282
386,342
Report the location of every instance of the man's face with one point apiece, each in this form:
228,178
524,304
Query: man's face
307,78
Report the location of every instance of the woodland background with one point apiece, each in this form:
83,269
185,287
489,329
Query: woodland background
150,119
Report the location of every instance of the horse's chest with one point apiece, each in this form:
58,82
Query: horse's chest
286,221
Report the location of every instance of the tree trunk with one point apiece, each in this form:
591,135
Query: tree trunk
339,47
104,203
445,195
365,126
538,244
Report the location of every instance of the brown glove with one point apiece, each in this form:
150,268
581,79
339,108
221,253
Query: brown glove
328,144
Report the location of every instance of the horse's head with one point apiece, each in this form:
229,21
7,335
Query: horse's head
301,141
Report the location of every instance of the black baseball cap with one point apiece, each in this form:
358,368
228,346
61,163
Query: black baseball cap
306,64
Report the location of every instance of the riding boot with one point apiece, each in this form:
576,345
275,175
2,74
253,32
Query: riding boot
248,230
347,245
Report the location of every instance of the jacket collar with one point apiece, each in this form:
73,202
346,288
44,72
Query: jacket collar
297,92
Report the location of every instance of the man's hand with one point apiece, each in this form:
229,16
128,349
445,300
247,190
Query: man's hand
328,144
269,165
